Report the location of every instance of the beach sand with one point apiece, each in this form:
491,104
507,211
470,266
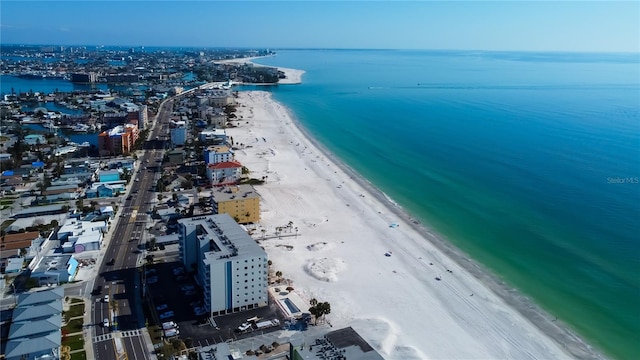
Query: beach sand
292,76
335,251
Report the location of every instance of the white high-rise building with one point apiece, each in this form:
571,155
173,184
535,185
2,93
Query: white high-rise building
230,266
143,117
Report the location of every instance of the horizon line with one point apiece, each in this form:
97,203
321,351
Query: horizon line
328,48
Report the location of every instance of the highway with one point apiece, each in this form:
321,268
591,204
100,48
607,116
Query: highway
119,277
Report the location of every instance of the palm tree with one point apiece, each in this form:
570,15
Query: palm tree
279,275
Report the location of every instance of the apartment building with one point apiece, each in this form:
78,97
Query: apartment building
241,202
230,266
118,141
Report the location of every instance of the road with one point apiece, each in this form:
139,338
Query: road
119,276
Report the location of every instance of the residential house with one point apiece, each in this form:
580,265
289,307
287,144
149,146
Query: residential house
55,269
108,175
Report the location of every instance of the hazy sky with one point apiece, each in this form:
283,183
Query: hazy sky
474,25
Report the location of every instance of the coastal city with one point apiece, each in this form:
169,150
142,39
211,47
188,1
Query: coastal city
319,180
130,185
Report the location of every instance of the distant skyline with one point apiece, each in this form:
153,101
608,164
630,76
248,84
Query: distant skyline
475,25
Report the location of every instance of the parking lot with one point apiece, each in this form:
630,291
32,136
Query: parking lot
176,297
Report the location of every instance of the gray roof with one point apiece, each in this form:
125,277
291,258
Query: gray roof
37,311
63,187
40,297
234,192
29,328
39,209
26,345
231,237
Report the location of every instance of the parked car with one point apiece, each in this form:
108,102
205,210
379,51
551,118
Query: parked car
162,307
106,298
152,280
187,287
189,293
105,323
171,333
166,315
169,325
178,271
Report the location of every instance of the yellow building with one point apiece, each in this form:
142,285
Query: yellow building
241,202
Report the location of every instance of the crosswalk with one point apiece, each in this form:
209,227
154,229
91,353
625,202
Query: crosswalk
122,334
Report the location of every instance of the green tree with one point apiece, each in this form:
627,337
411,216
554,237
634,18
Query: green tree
160,186
320,309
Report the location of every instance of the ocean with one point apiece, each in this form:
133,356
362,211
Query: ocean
528,162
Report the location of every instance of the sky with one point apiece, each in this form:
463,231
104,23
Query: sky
588,26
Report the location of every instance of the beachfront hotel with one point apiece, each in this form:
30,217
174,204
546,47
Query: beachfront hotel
241,202
230,266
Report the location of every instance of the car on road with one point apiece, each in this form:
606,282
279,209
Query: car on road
189,293
105,323
150,272
106,298
152,280
162,307
166,315
187,287
178,271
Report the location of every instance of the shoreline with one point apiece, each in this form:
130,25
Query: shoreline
553,328
562,337
292,76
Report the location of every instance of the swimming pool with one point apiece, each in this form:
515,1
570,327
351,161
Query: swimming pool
291,306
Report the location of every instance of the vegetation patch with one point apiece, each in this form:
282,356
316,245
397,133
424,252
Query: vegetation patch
82,355
5,224
74,311
75,325
75,342
252,181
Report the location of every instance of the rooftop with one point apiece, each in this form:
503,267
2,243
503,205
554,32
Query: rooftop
235,192
223,238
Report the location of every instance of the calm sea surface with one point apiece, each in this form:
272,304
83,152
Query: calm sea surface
529,162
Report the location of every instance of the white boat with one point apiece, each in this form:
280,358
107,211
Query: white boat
82,128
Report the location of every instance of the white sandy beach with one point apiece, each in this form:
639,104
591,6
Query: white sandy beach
338,255
292,76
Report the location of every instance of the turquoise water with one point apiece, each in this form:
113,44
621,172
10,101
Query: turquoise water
529,162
